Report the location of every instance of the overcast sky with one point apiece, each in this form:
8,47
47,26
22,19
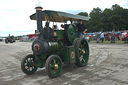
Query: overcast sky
14,14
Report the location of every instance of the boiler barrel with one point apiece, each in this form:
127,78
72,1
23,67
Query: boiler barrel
53,46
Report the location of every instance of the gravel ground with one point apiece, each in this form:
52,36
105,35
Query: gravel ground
108,65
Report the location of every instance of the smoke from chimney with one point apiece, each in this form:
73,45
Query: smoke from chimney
38,3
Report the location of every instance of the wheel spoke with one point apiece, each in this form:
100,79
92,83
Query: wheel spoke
83,59
30,68
26,60
25,64
80,58
54,61
31,59
54,71
85,52
83,44
51,65
57,63
26,67
80,51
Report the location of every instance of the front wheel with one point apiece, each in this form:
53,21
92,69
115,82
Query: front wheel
53,66
27,64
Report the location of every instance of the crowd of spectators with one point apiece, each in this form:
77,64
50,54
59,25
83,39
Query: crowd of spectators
109,36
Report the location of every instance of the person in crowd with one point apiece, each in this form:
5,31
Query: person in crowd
108,36
113,38
81,29
105,36
127,37
118,35
102,37
98,37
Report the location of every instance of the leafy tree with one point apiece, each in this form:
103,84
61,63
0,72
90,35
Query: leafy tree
95,23
115,18
107,13
83,14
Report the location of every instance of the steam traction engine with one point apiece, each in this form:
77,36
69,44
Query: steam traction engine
10,39
54,47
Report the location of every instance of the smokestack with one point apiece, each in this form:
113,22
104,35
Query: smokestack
39,19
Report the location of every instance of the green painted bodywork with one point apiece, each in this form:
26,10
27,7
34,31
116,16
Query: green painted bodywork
60,34
65,53
43,56
64,50
53,46
59,47
57,16
68,58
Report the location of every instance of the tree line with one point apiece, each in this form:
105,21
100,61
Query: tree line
113,19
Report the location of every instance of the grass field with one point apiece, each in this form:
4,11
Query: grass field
116,42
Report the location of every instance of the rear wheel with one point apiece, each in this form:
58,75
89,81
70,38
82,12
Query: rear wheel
74,42
82,52
27,64
6,41
53,66
14,41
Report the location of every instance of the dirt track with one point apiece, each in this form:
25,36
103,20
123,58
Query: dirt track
108,65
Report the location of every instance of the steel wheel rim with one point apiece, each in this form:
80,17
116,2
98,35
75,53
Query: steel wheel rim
28,65
52,66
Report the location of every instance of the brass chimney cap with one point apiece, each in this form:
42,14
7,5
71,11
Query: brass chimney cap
38,8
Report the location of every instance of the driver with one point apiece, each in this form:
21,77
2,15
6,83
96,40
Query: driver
81,29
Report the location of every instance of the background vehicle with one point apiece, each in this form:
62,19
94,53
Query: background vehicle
10,39
53,46
1,39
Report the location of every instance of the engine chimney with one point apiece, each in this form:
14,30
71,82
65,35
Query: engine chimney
39,21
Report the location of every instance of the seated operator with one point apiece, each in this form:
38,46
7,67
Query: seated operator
81,29
62,26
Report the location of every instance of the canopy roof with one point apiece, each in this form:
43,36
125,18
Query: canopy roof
57,16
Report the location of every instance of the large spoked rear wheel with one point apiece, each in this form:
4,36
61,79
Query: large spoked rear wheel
53,66
6,41
27,64
82,52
